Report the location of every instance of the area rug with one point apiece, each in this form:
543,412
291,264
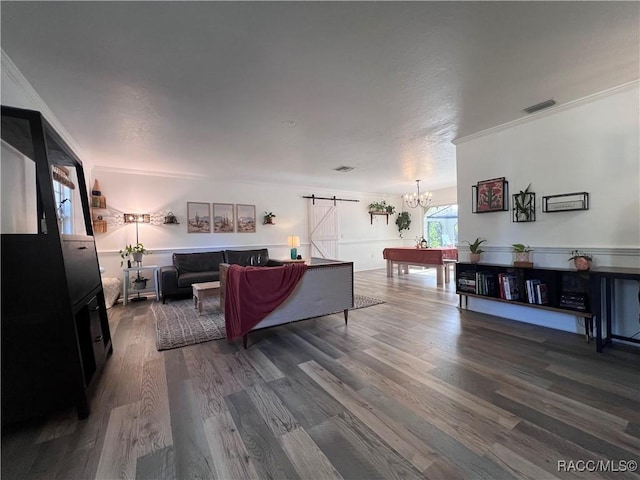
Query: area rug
179,324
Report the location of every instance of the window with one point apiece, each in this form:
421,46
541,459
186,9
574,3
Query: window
64,208
441,226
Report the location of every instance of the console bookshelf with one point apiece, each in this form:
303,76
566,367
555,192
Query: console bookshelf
588,294
567,291
561,284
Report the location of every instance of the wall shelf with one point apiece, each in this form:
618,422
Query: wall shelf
565,202
371,214
98,204
524,207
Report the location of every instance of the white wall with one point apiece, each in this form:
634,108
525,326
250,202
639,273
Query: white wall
17,92
18,209
591,145
360,241
151,192
445,196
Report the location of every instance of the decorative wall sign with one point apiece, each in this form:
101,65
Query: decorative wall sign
223,219
565,202
199,217
246,215
490,196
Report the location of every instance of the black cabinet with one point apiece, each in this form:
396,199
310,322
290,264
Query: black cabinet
589,294
562,290
55,330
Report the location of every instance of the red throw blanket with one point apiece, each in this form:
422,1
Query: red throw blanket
252,293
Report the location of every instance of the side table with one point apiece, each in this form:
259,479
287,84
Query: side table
126,281
288,260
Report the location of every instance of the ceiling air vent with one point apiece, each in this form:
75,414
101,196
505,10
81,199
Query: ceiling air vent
343,169
541,106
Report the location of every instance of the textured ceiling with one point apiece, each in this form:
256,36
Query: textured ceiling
210,88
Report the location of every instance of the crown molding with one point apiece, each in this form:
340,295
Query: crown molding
550,111
147,173
11,71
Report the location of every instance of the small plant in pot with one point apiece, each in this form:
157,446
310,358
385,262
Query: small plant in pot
522,254
136,252
474,248
581,260
268,218
140,283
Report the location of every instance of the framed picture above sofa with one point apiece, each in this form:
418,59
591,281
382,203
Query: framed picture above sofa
199,217
223,218
246,218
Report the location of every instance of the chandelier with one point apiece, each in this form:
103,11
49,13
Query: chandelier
415,199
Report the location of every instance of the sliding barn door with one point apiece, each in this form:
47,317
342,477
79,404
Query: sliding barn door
323,229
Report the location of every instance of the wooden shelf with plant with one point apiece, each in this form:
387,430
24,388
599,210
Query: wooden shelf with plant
381,208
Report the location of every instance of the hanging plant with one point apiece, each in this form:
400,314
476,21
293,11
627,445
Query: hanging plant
403,222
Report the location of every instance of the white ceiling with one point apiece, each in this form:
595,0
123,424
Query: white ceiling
206,88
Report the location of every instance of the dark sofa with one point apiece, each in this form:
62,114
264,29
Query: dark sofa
190,268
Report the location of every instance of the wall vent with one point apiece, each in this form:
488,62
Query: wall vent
540,106
343,169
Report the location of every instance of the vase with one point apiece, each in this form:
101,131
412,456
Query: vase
474,257
137,257
582,263
96,188
522,256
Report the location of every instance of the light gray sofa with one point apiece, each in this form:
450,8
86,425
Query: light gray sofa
325,288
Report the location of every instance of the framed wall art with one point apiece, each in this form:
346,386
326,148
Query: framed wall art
490,196
223,219
198,217
246,218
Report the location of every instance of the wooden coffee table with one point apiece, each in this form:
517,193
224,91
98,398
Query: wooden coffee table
202,291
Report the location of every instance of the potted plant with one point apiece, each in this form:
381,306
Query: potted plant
136,252
474,248
403,222
522,254
581,260
381,207
378,207
140,283
268,218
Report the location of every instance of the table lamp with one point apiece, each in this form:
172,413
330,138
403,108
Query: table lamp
294,242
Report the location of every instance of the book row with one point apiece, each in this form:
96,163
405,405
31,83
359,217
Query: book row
504,285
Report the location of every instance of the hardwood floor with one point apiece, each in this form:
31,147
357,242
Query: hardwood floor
412,388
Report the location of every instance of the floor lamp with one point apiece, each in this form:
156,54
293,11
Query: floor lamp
137,218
